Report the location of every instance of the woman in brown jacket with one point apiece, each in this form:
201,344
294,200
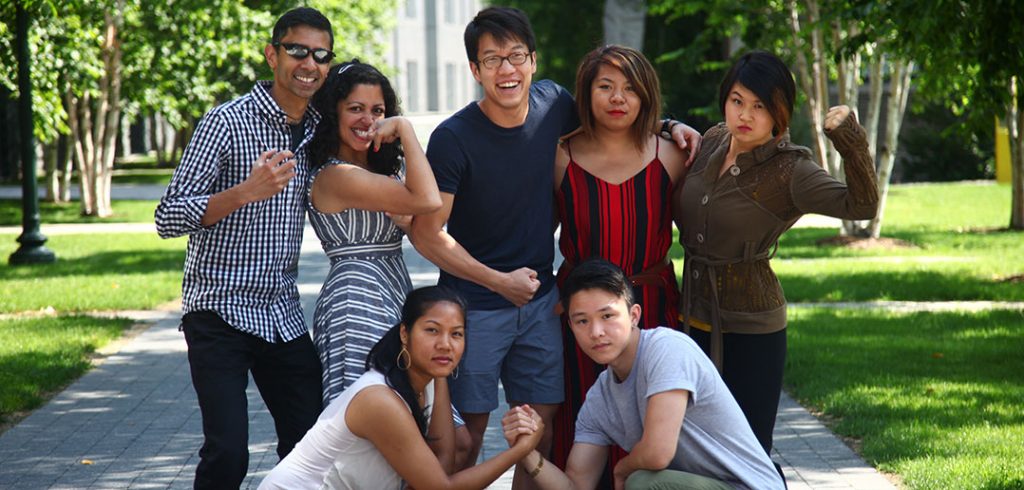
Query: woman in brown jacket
748,185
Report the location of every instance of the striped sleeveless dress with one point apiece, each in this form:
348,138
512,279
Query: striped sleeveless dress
630,225
364,291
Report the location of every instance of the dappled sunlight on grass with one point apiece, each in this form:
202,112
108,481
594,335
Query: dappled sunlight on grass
917,389
902,282
124,212
95,272
39,355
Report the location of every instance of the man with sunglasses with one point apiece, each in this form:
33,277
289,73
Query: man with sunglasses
494,164
239,193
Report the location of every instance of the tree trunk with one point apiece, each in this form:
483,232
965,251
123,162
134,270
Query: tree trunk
1015,124
624,22
95,129
811,73
81,142
58,168
848,88
181,139
50,171
156,137
896,106
65,165
877,86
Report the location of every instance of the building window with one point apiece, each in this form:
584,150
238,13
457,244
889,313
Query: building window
412,86
410,9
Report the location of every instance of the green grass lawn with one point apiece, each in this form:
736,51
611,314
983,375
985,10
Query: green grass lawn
960,251
119,271
41,355
937,398
161,176
124,212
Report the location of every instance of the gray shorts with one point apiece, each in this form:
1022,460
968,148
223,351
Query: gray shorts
522,345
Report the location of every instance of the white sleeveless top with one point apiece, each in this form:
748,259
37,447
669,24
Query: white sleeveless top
330,456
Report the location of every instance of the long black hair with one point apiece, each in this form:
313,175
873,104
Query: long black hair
341,79
384,355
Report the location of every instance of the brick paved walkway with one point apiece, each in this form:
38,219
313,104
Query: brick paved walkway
133,422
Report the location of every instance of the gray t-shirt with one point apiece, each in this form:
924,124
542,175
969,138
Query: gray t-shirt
715,440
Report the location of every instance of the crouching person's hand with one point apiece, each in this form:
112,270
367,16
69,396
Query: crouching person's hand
522,426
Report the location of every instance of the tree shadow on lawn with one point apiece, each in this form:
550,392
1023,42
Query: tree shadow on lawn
126,262
820,243
30,378
898,285
927,373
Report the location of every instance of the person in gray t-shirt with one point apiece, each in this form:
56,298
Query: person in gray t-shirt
661,399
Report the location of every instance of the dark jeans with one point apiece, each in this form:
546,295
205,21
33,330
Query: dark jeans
752,369
221,357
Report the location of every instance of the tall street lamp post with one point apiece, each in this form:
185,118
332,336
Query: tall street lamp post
32,250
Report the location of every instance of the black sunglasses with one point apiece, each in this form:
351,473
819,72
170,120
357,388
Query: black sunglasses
300,52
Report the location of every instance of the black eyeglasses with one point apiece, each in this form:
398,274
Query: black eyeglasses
300,52
514,59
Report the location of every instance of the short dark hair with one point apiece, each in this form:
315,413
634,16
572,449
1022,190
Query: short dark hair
302,16
638,72
341,79
769,78
502,23
596,273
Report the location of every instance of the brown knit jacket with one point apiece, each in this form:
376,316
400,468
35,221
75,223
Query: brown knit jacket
729,225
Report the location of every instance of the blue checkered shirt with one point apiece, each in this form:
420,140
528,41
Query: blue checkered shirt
243,267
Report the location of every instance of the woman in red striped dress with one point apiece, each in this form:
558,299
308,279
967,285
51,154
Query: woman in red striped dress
613,182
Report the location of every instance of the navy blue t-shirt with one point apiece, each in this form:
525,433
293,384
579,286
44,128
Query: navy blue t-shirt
502,179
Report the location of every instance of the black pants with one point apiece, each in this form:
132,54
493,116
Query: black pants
752,369
287,375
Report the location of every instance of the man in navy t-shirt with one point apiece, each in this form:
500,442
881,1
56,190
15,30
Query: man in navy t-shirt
494,164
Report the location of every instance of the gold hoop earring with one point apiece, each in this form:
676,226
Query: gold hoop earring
408,359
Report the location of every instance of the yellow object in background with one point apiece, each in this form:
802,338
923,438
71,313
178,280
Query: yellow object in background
1002,153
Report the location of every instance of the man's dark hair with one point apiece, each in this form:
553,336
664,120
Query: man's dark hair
504,24
302,16
596,273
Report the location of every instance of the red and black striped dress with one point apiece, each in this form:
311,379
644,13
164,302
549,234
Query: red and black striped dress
630,225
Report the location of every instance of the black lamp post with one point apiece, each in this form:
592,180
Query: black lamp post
32,250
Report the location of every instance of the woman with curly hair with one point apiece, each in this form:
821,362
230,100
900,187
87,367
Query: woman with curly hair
357,202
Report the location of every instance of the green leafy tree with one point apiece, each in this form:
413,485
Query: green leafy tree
105,62
829,45
972,55
49,61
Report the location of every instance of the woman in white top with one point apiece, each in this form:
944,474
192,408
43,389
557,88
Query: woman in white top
377,434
